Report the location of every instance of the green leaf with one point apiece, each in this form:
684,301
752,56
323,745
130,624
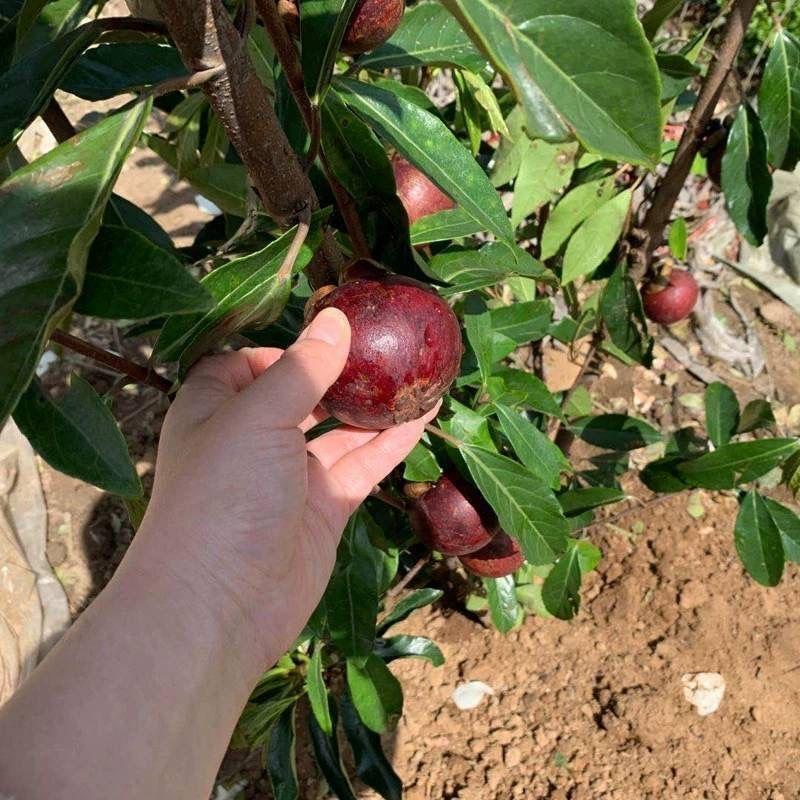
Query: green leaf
615,432
746,180
722,413
248,292
756,414
677,72
51,211
124,214
504,608
41,22
452,223
661,11
78,436
421,465
119,67
576,501
326,752
758,540
479,335
779,101
788,524
262,54
791,473
622,312
581,67
429,35
130,278
589,555
522,323
351,599
526,507
280,757
515,387
533,448
430,145
545,169
468,426
317,691
734,464
404,646
376,693
410,602
322,27
561,588
678,238
595,238
577,205
468,269
372,766
579,403
27,86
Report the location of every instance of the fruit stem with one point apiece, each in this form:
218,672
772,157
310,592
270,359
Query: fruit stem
408,577
300,235
451,440
385,497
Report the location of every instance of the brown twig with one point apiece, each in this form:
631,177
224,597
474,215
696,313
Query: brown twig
349,212
451,440
385,497
408,577
57,122
134,371
669,187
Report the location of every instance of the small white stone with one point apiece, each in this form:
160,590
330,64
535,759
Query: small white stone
45,362
206,206
704,690
469,695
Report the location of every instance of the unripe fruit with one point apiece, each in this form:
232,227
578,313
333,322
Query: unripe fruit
452,517
671,298
371,23
405,350
500,557
419,195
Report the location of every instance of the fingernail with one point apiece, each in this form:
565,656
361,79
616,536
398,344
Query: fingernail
330,326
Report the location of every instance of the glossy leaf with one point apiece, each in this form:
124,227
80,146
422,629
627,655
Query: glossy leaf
746,180
118,67
479,335
515,387
660,12
576,501
430,35
322,27
78,436
404,646
375,692
779,101
622,312
51,211
452,223
677,72
756,414
43,21
419,598
595,238
248,292
130,278
262,54
788,524
576,206
124,214
522,322
577,67
678,238
533,448
526,507
545,169
428,144
722,413
758,540
317,691
791,473
561,588
372,766
421,465
326,752
615,432
504,608
280,757
468,425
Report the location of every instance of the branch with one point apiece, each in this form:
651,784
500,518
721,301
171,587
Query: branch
206,36
134,371
57,122
669,188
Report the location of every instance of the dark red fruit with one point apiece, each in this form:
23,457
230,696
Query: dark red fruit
671,298
371,24
405,351
500,557
452,517
419,195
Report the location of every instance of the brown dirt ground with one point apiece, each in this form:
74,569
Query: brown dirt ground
588,709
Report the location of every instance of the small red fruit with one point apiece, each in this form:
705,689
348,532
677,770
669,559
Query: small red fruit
371,23
671,298
452,516
405,350
500,557
419,195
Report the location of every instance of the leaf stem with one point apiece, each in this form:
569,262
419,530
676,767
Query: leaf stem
118,363
437,431
300,235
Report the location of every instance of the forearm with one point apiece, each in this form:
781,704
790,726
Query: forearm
138,700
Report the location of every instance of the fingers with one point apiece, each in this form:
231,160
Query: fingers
290,390
359,470
335,444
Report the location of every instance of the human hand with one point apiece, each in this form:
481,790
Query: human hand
245,514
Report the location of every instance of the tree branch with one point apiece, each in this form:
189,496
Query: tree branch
669,188
206,36
134,371
57,122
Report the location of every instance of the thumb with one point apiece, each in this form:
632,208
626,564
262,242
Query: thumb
292,387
